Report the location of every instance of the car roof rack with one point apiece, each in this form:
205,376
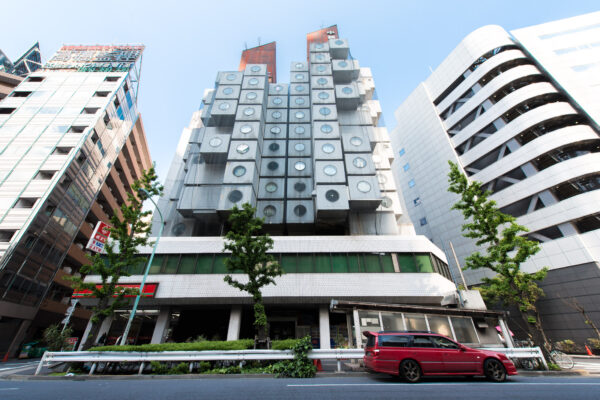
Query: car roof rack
406,332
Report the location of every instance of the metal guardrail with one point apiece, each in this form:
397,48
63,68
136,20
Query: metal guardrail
96,357
520,352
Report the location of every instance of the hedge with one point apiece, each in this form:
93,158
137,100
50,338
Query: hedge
242,344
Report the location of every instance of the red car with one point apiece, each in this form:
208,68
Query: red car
413,354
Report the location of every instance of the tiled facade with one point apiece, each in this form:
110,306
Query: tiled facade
72,143
516,115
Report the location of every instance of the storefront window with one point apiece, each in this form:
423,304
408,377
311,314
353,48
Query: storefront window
415,322
157,262
305,263
439,324
204,264
322,263
407,263
171,264
464,330
187,264
339,263
392,321
424,263
219,266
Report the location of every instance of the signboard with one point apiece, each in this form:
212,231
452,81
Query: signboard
99,237
95,58
72,341
149,290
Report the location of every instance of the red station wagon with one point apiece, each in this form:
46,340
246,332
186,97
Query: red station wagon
412,354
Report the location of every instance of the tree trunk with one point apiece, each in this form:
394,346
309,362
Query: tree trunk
538,337
95,329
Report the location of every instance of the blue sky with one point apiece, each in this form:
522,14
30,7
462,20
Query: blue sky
187,42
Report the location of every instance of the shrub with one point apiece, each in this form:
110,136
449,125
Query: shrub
193,346
594,343
553,367
568,346
180,369
301,366
55,338
159,368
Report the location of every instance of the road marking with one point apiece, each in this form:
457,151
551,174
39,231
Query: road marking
442,383
9,389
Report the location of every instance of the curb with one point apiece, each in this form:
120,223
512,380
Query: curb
574,372
164,377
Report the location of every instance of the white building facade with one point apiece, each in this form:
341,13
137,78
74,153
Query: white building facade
518,113
311,157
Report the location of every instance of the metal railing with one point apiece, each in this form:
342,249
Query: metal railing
96,357
520,352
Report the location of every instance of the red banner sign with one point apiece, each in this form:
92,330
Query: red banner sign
99,237
149,290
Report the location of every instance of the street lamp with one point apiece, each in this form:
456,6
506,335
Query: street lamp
137,298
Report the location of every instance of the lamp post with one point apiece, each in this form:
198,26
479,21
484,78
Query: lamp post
137,298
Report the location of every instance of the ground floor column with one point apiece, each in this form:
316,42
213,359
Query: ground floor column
235,322
162,325
13,349
86,333
324,327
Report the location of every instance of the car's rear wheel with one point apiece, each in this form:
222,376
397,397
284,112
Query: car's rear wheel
410,370
494,370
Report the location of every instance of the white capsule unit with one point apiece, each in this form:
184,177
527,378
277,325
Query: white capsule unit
345,71
321,82
274,148
328,149
249,112
299,148
252,96
275,131
235,195
329,172
322,96
277,116
299,89
320,69
226,92
299,188
299,115
326,130
243,150
299,131
272,167
299,167
359,164
299,66
256,69
320,58
299,214
215,146
195,200
319,47
278,89
255,82
278,101
347,96
355,140
338,48
364,192
324,112
230,78
300,102
241,172
272,211
246,130
331,201
271,188
222,113
299,77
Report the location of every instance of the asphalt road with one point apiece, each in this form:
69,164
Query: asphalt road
346,388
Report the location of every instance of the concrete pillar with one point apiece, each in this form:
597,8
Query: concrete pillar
506,333
105,327
86,333
357,331
235,321
324,327
162,324
13,349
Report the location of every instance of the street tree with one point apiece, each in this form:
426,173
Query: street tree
248,248
506,249
128,233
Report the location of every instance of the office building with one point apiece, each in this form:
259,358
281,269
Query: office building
71,143
11,74
520,113
313,158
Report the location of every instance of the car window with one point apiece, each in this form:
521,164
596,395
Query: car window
444,343
370,341
422,341
394,341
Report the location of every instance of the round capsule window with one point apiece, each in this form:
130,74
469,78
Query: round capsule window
343,64
269,211
319,46
332,195
277,100
246,129
347,90
242,148
323,95
326,128
227,90
234,196
271,187
178,229
255,68
299,186
249,111
299,77
386,202
272,166
276,114
320,57
274,146
299,147
215,142
230,77
321,68
299,88
299,65
355,141
322,81
300,166
359,162
299,130
224,106
363,186
324,111
329,170
299,101
299,210
299,114
328,148
251,95
253,81
275,130
278,88
339,42
239,170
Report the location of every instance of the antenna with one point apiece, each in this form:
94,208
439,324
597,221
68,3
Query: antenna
245,46
259,41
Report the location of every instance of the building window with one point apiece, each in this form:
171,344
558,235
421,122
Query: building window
90,110
411,183
401,152
417,201
6,110
423,221
111,79
20,94
101,94
406,167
